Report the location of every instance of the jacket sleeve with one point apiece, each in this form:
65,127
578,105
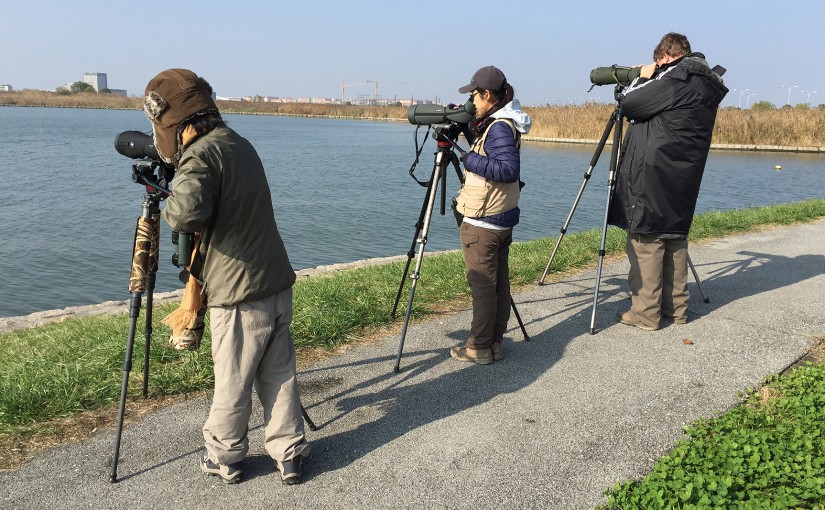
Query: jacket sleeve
502,162
191,204
648,99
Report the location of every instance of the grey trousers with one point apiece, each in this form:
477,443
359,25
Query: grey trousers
486,259
657,278
252,345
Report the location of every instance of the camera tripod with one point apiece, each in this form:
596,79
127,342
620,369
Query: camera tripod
444,156
142,279
614,124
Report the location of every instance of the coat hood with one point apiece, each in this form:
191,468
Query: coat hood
512,111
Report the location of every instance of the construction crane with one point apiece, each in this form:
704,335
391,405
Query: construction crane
382,81
343,86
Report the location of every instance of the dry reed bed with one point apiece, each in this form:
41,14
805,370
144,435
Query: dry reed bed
784,127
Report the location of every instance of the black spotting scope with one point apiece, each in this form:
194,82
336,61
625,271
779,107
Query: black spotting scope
136,145
439,114
613,75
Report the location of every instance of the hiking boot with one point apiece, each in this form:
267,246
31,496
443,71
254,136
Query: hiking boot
628,319
228,473
478,356
676,320
290,471
498,351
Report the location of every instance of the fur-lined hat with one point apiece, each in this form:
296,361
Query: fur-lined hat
173,97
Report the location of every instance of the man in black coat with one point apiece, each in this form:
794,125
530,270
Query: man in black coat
672,109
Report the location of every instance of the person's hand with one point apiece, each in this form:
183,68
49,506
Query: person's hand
647,70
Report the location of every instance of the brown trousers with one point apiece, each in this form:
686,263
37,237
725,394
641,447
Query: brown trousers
657,278
252,345
486,259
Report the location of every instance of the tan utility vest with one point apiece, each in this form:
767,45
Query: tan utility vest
480,197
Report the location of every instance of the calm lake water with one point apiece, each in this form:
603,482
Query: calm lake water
341,191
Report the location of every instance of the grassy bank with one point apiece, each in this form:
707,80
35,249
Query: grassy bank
51,373
783,127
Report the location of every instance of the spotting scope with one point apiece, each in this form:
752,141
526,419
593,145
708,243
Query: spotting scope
613,75
427,114
136,145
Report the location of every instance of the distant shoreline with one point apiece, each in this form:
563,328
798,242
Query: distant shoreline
763,130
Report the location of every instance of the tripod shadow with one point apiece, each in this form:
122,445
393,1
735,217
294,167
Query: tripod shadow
729,281
732,280
381,408
388,406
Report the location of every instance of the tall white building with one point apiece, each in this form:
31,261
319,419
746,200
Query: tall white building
5,88
96,80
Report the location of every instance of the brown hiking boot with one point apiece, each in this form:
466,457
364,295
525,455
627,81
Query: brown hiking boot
478,356
676,320
498,351
628,319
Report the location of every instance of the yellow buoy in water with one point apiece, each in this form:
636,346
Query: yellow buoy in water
778,167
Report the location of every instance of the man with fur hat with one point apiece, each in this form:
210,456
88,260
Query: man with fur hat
221,192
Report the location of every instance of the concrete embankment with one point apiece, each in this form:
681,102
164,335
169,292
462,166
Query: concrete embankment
159,299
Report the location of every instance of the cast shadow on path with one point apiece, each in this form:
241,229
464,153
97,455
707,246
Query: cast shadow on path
383,407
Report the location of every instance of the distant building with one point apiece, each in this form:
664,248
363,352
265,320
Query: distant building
96,80
117,92
5,88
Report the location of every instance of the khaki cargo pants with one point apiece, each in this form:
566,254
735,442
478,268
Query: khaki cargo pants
252,345
657,278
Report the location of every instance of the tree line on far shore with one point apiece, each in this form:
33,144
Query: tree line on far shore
762,124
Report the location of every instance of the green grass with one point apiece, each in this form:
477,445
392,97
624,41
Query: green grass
57,370
768,453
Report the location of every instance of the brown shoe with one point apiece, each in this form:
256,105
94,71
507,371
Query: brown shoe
676,320
498,351
628,319
478,356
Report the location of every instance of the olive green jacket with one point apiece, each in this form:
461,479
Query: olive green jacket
221,190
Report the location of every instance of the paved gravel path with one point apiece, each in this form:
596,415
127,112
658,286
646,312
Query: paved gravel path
563,417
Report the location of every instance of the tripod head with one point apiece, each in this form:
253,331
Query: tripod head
155,176
149,170
446,135
618,93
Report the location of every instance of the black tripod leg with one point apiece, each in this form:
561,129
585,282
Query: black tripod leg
611,186
134,312
593,161
150,287
310,423
705,299
518,318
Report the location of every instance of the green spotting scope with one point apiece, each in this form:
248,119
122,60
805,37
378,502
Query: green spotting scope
439,114
614,74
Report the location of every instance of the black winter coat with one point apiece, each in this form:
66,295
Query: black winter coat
663,157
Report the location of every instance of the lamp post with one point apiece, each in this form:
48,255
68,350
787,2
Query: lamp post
790,88
742,93
749,100
808,99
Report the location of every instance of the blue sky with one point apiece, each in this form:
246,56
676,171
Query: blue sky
424,48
